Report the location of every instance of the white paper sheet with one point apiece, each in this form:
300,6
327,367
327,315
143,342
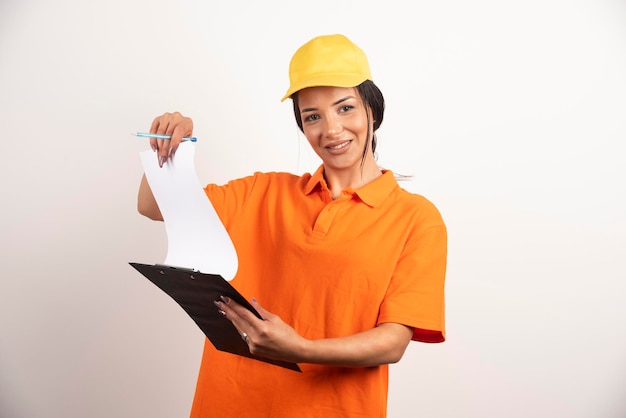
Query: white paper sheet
196,237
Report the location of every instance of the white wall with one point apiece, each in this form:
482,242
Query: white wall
509,115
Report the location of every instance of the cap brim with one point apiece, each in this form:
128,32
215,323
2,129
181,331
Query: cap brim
335,80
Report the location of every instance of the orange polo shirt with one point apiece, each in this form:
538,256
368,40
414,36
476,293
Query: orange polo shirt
329,268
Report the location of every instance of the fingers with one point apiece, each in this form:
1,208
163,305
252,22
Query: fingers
261,310
173,124
242,319
237,314
269,337
177,136
153,129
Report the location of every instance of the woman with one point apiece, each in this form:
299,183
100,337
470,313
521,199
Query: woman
345,267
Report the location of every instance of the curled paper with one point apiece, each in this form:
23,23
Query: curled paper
196,237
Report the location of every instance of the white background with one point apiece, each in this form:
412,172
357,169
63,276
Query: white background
511,117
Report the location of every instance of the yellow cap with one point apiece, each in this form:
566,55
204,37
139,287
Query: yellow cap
328,60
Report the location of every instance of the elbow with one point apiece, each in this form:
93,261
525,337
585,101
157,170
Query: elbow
396,341
149,212
395,360
395,356
146,203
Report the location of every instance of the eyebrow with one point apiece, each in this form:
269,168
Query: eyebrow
343,99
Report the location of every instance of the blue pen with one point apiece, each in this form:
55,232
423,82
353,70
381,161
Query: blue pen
160,136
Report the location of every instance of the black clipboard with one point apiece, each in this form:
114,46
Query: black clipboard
195,292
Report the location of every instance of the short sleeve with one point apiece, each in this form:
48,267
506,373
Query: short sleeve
415,296
230,199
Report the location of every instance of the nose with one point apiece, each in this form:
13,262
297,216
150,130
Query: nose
333,126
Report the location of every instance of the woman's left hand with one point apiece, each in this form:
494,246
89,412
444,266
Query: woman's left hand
269,337
272,338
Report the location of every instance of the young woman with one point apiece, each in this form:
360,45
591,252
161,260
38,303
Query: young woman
345,266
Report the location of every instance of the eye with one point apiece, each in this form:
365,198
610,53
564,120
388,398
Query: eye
346,108
312,117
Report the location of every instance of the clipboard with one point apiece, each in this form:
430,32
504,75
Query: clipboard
195,292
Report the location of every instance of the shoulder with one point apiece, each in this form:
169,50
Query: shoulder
417,207
414,200
257,181
271,179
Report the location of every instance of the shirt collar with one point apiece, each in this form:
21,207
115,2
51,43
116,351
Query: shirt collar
371,194
317,179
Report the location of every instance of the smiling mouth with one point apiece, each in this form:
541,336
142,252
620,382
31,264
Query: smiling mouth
339,146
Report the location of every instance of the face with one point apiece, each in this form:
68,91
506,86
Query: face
334,121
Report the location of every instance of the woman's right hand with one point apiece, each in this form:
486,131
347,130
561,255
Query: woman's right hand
177,126
174,124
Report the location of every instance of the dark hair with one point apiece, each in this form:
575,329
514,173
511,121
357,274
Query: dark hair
372,98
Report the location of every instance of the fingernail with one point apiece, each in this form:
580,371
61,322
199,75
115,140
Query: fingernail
219,307
154,147
162,161
226,299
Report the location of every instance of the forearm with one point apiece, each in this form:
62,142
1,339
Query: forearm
270,337
146,203
381,345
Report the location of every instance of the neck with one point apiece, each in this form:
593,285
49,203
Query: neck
339,180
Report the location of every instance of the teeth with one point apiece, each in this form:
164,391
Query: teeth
340,145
